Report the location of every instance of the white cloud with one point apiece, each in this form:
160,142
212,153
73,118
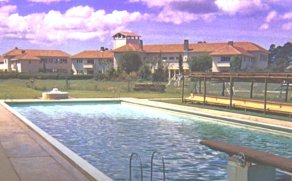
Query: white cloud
240,6
272,15
77,23
47,1
155,3
287,15
287,26
4,1
177,17
264,26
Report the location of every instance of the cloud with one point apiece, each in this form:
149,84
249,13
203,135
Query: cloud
4,1
154,3
47,1
271,16
287,26
181,11
287,15
264,26
77,23
240,6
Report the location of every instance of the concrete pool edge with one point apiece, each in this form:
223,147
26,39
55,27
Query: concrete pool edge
237,121
72,157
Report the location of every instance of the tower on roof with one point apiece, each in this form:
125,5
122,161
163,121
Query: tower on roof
124,38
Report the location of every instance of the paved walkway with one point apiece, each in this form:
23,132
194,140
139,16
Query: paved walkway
25,156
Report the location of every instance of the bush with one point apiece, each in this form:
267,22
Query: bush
8,75
144,72
200,63
130,62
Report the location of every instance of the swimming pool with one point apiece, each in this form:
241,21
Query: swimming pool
106,134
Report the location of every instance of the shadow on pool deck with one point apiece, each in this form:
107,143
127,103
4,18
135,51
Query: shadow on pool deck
25,156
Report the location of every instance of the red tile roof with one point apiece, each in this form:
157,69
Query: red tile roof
243,47
127,34
30,54
129,48
231,50
1,59
93,54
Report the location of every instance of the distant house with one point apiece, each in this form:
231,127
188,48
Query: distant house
1,63
27,60
252,55
92,61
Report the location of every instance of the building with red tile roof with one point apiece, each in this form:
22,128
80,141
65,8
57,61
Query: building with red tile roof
29,60
252,55
92,61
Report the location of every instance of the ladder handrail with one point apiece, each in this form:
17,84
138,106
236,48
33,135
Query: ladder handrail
130,167
163,165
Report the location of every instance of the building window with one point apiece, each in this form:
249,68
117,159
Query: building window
171,58
79,61
164,58
90,61
225,59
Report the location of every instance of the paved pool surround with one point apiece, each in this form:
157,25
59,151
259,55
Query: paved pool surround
88,172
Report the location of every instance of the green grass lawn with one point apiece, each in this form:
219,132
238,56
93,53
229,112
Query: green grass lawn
24,89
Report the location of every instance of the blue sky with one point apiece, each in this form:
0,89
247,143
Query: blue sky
76,25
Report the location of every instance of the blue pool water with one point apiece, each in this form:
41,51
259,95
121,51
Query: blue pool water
106,134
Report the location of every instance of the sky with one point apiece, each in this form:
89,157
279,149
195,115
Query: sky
77,25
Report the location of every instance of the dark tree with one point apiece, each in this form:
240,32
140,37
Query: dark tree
235,64
144,72
129,62
280,57
159,74
200,63
180,64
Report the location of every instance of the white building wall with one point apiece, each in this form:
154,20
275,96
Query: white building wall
119,43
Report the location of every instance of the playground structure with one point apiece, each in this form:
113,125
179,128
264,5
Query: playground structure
176,79
228,80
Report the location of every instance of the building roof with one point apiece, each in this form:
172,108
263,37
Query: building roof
127,34
30,54
242,47
93,54
129,48
231,50
1,59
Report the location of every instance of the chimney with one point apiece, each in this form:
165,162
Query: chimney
102,49
186,45
22,51
230,43
141,44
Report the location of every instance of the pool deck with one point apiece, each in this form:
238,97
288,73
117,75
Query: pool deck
25,156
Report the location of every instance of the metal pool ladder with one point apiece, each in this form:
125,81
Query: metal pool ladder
141,165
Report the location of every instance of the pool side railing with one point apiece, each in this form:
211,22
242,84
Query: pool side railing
246,164
135,155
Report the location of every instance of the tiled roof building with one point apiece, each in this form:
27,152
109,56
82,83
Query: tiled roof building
28,60
92,61
251,54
